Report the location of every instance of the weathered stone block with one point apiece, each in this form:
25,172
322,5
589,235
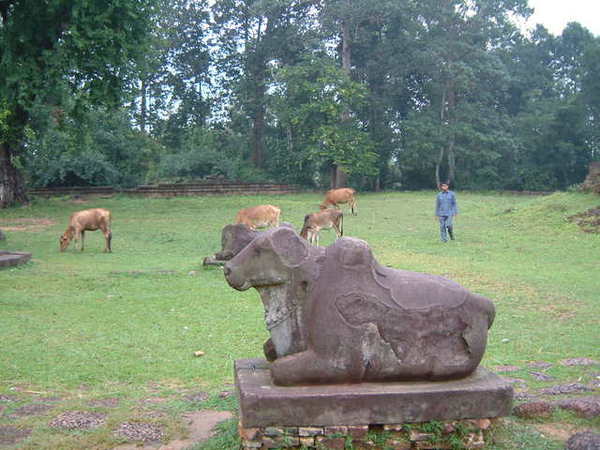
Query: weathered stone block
273,431
397,444
419,436
310,431
331,443
251,444
263,404
335,430
358,432
308,442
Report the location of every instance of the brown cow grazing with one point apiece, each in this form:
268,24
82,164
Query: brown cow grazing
313,223
342,195
259,216
87,220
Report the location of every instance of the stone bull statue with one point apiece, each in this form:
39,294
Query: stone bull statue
336,315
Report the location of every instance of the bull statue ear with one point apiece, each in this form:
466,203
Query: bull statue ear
289,246
354,253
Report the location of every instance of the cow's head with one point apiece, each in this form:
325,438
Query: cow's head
65,239
268,260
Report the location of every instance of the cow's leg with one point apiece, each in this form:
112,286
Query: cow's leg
107,239
81,237
354,207
336,228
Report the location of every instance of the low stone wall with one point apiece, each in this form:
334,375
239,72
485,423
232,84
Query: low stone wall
172,190
465,433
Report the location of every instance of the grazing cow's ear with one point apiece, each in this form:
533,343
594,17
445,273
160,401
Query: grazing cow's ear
289,246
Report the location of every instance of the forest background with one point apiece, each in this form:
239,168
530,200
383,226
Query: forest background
386,94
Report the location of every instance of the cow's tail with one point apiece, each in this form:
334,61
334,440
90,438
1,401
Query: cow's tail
304,231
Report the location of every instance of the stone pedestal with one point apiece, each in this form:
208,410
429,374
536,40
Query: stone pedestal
355,408
8,259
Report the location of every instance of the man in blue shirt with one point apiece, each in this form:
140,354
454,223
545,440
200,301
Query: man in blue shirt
445,210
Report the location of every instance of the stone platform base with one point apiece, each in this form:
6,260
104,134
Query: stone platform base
344,410
8,259
463,434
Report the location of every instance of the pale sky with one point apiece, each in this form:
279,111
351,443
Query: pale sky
555,14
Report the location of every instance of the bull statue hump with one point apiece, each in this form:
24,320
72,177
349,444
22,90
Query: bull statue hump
336,315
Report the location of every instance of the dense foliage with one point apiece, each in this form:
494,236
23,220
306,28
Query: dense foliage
392,93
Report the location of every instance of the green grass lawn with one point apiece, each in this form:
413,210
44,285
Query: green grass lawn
85,326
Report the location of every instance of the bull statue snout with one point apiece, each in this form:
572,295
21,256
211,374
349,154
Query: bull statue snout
336,315
234,278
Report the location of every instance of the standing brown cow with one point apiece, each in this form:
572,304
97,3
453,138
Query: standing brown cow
314,223
87,220
259,216
342,195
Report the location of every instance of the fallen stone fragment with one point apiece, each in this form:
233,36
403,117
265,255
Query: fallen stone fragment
532,410
197,397
541,376
580,362
586,407
586,440
569,388
78,420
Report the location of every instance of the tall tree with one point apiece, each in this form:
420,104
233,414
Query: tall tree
253,37
51,49
456,45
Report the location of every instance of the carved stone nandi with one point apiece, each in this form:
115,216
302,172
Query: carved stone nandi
336,315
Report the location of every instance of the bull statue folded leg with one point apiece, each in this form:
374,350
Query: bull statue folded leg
336,315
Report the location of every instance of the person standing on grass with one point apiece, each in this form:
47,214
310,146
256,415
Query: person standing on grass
445,210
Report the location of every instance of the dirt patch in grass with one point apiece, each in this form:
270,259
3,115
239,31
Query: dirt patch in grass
78,420
200,427
588,221
33,409
559,430
10,435
26,224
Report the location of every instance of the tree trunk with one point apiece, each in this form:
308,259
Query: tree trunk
12,186
143,105
339,176
258,121
442,149
258,131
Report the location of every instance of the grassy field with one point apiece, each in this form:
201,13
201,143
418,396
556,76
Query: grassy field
78,328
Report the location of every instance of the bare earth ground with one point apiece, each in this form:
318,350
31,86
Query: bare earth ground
26,224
